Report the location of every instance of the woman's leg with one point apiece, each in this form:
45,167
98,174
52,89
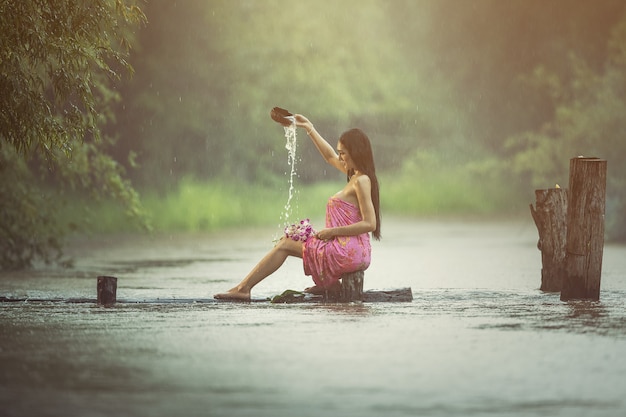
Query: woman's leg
269,264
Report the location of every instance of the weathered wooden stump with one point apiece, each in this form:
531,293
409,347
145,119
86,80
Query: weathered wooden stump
107,289
550,216
351,287
585,229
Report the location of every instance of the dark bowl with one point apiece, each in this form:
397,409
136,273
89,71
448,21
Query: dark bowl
279,115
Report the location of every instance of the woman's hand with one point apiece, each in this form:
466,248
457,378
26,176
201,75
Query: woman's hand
302,121
325,234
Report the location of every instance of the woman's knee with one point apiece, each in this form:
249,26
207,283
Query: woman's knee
290,247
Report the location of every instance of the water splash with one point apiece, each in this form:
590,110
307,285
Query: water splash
290,135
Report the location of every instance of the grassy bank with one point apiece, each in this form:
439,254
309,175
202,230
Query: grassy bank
436,194
210,206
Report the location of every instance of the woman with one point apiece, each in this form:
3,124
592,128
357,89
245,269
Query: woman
351,214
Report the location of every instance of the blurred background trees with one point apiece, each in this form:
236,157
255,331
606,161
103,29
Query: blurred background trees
497,95
506,90
58,64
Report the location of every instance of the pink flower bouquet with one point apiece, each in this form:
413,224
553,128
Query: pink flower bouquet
300,232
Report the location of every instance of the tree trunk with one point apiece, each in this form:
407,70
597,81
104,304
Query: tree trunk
351,287
585,229
550,217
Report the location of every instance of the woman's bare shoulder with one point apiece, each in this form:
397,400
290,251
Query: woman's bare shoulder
363,180
362,183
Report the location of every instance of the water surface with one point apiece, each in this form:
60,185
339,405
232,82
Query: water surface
478,339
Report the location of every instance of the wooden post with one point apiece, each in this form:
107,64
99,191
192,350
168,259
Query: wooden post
351,287
550,217
107,288
585,229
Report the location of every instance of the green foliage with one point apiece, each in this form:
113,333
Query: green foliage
201,103
56,58
588,120
462,188
58,62
211,206
27,229
200,207
479,52
438,77
469,104
195,206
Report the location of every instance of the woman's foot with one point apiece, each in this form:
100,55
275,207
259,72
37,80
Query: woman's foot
315,290
333,290
234,294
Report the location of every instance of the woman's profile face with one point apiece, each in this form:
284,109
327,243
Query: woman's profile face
344,156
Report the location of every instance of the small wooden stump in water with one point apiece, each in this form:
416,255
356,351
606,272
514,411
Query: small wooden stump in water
550,216
107,289
585,229
351,287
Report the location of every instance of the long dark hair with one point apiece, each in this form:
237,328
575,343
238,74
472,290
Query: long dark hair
359,148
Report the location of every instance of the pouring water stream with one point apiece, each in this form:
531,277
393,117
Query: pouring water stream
290,136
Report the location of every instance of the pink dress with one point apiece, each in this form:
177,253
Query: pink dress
327,260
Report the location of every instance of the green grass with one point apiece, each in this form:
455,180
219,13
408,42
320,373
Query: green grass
202,207
439,194
211,206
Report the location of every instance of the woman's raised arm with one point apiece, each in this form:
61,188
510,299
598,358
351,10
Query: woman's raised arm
324,148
